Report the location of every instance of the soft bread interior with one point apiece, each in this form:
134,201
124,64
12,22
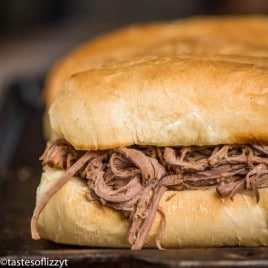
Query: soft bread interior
195,218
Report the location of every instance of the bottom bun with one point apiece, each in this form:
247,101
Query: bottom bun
194,218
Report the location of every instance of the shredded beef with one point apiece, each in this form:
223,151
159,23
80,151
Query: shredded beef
133,180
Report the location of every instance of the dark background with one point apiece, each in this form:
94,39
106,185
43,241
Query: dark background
18,15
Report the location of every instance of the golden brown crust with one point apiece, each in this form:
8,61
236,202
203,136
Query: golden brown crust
168,101
245,35
197,218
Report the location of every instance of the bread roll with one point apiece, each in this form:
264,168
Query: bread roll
163,101
200,36
225,35
195,218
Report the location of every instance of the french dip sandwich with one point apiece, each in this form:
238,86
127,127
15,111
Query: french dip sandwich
158,148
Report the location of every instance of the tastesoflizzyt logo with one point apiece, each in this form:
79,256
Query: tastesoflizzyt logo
11,262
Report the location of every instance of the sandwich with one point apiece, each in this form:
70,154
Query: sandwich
159,150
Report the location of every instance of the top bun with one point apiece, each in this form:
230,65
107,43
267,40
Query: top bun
234,35
201,81
164,101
